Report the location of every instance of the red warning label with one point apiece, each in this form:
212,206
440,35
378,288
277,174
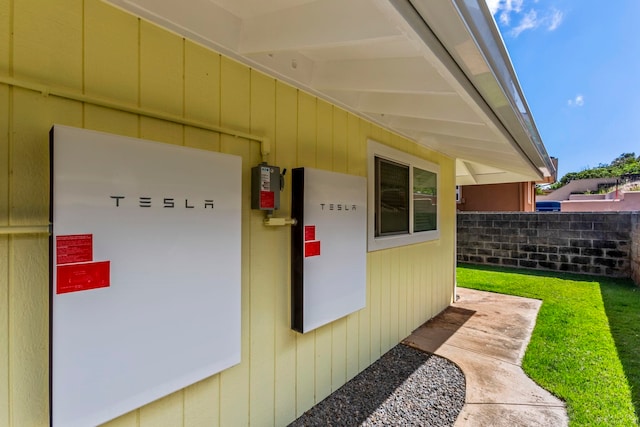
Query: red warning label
309,232
311,248
82,277
267,200
74,248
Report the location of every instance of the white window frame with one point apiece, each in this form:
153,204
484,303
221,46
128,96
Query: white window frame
375,243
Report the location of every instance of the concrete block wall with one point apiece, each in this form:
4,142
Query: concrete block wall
590,243
635,247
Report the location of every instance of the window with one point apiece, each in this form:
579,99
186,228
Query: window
403,198
425,200
392,197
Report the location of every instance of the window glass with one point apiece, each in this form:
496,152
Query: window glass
425,200
392,198
402,198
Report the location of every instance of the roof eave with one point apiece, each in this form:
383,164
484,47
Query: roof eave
502,92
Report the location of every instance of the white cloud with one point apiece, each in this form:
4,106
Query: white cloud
529,21
493,5
506,8
578,101
555,19
508,12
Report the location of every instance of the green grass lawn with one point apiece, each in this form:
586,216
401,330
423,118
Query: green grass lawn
585,347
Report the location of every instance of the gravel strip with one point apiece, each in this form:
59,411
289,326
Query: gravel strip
405,387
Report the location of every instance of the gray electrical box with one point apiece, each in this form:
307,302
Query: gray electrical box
265,187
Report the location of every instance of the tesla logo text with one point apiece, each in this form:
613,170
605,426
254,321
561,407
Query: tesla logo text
166,202
337,207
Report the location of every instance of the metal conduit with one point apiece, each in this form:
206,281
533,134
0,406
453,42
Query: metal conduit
265,146
24,229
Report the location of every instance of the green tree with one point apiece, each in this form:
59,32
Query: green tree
625,163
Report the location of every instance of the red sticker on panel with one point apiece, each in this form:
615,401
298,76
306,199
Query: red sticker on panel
74,248
309,232
267,200
82,277
312,248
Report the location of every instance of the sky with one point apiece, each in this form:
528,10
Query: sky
578,63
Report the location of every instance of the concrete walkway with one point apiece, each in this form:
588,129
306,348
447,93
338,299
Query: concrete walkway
486,335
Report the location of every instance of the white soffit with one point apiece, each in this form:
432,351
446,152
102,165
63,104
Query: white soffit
377,58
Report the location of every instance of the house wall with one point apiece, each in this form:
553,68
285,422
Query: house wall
513,196
629,201
93,50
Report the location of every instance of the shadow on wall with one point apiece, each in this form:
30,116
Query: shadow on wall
620,298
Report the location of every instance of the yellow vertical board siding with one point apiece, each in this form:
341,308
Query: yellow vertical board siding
161,131
305,371
410,286
397,263
32,118
386,282
235,102
324,136
161,70
263,298
5,35
364,329
201,84
201,139
201,402
431,302
307,122
368,336
403,330
164,412
306,379
130,419
331,138
113,121
324,335
306,345
201,95
285,154
4,155
352,344
4,256
340,136
323,362
110,72
47,41
285,149
235,94
419,278
346,332
338,353
28,189
28,313
28,332
421,290
355,156
376,268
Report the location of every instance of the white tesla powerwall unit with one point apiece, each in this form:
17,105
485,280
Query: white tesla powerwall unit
145,262
328,247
